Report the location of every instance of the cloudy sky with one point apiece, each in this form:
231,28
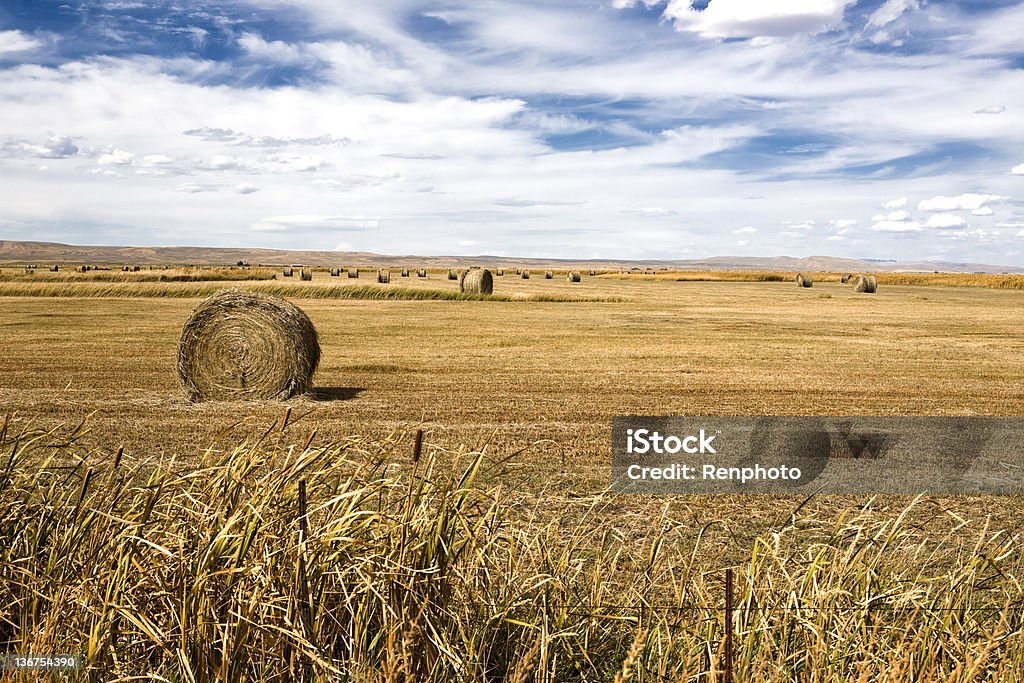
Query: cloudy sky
579,128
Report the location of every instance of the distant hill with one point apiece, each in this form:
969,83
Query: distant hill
20,252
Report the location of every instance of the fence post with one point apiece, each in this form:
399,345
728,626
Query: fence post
728,625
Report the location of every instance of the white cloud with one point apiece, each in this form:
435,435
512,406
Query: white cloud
13,42
275,50
945,220
752,18
843,223
246,188
113,156
991,109
742,243
895,203
55,147
1017,170
748,230
983,211
964,202
894,216
891,11
157,159
896,226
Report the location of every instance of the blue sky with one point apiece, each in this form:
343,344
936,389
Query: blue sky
589,129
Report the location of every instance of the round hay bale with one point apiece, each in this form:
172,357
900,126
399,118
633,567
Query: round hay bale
452,275
335,272
353,272
804,280
548,275
287,272
573,276
405,272
383,277
846,278
525,275
593,273
306,274
866,284
476,281
422,272
54,269
247,345
499,272
126,269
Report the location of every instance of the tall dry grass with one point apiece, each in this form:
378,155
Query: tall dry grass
172,275
403,570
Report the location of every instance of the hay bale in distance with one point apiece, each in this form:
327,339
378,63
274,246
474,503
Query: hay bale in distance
422,272
525,274
573,276
476,281
405,272
452,275
865,284
306,274
846,278
335,272
804,280
54,268
247,345
499,272
548,275
593,273
287,272
353,272
383,276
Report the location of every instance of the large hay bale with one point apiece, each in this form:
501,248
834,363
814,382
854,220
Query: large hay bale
353,272
548,275
804,280
866,284
846,278
383,276
287,272
247,345
476,281
573,276
422,272
306,274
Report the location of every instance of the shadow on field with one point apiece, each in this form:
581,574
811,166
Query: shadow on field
335,393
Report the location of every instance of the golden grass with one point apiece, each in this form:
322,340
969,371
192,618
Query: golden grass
205,569
161,275
987,280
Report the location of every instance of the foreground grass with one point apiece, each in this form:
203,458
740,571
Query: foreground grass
194,291
405,570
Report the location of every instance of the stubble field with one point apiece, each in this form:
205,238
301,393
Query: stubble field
531,386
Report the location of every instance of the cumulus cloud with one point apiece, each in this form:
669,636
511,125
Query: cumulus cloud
894,216
1017,170
113,156
13,42
752,18
895,203
843,223
945,220
890,11
991,109
274,50
983,211
748,230
964,202
896,226
55,147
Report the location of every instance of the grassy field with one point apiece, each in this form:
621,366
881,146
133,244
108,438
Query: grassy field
525,387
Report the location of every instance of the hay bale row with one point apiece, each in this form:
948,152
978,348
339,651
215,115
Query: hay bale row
422,272
83,269
383,276
353,272
476,281
525,274
865,284
804,280
548,275
573,276
240,344
306,274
